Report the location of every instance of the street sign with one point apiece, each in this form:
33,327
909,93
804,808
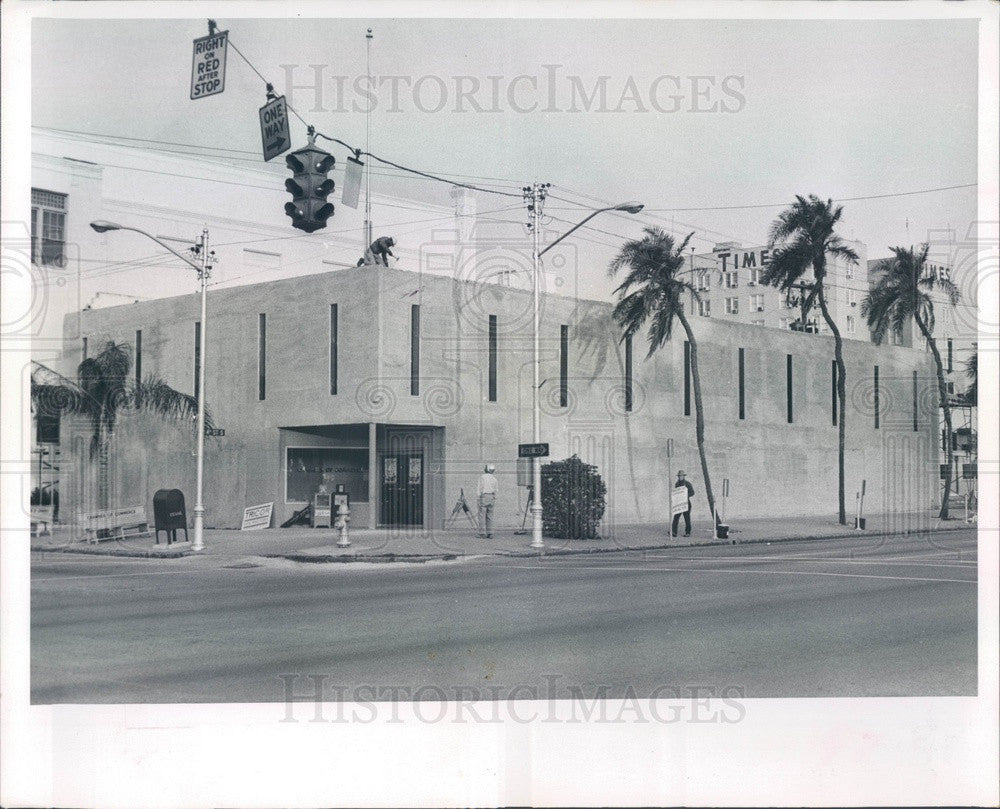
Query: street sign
532,450
274,135
215,432
208,65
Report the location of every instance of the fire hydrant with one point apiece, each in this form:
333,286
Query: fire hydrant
343,518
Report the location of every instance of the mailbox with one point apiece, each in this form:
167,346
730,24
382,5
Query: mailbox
169,514
321,517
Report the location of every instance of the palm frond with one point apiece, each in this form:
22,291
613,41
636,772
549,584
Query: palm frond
156,396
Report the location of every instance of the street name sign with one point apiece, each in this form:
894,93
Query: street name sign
215,432
208,65
274,136
532,450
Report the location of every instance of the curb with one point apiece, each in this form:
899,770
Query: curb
156,553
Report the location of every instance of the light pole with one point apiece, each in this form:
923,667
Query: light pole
203,271
535,194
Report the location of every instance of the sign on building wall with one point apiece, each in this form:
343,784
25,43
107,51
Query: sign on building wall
257,517
208,65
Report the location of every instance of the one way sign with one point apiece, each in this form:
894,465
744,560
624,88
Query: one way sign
274,128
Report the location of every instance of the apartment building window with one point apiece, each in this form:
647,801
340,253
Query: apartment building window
896,337
334,347
754,276
850,324
786,324
742,398
705,307
732,306
704,280
563,366
849,271
261,356
788,388
687,378
732,279
492,382
628,373
48,228
757,302
415,349
852,297
950,356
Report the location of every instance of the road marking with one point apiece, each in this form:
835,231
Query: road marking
764,572
832,559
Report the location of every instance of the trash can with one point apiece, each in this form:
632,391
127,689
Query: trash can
722,531
169,514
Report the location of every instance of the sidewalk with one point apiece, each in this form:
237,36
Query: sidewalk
398,545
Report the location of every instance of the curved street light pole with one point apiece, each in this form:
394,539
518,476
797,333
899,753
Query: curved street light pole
536,194
203,272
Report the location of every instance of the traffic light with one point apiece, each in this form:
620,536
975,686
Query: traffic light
309,187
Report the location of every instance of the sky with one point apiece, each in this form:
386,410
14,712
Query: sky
698,113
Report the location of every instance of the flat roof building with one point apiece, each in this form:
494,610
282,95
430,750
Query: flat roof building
401,385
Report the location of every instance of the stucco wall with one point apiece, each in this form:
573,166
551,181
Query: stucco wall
774,467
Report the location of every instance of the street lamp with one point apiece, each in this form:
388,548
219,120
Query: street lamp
202,269
536,194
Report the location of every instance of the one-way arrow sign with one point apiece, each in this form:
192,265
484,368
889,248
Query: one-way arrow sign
274,135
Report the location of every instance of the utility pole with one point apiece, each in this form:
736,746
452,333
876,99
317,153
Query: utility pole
802,288
535,195
199,502
368,147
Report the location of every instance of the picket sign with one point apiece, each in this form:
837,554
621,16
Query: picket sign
118,523
41,520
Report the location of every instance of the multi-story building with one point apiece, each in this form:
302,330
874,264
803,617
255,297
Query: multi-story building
729,286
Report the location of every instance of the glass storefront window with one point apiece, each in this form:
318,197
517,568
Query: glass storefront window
306,467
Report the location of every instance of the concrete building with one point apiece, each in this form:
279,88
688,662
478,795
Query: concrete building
401,385
729,286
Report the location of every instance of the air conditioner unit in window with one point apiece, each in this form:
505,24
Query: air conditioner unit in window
751,283
854,303
760,308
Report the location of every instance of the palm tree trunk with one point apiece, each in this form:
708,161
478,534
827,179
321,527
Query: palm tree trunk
943,394
838,353
699,413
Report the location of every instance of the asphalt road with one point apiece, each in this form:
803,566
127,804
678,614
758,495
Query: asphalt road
854,617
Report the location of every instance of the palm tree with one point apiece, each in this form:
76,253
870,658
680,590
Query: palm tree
971,395
802,237
902,292
656,290
103,392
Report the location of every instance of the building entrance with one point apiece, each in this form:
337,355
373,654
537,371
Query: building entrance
402,476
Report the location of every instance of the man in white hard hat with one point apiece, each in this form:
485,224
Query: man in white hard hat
487,490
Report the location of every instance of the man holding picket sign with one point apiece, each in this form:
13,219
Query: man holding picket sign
680,504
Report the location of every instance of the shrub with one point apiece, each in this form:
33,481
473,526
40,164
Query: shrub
573,499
